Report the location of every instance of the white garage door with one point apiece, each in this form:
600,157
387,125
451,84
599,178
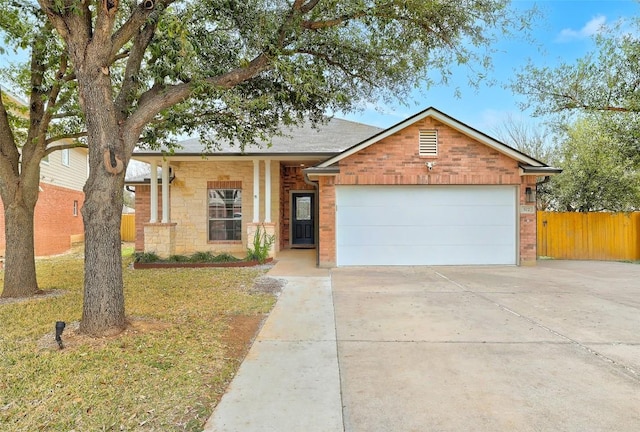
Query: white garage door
426,225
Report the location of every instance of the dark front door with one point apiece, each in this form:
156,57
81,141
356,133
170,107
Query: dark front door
302,211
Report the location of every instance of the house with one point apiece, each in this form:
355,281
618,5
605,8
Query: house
430,190
57,219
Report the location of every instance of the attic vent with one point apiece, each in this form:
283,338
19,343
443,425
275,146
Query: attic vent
428,143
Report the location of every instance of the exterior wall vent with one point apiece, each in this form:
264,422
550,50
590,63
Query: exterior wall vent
428,145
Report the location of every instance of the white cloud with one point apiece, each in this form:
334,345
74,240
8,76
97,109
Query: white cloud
592,27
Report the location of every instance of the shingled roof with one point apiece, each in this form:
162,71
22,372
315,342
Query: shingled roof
325,139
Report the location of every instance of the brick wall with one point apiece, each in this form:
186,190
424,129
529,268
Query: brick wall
395,161
460,160
54,221
143,212
327,222
528,225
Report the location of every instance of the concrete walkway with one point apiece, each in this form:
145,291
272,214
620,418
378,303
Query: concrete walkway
496,348
290,379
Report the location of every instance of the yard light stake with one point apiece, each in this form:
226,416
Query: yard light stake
59,329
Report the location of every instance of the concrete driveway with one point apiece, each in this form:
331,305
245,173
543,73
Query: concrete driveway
549,348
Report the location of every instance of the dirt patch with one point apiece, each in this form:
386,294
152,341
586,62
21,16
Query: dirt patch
240,334
72,338
37,296
268,285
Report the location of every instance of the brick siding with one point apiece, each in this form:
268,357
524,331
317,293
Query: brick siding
395,161
143,212
54,222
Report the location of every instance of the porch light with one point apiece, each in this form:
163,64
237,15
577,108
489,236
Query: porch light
530,195
59,329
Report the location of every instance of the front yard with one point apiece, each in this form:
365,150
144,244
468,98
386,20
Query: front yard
189,330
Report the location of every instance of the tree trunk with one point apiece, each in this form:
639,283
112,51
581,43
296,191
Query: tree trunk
20,267
103,310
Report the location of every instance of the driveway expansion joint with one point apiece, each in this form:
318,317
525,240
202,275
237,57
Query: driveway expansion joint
632,373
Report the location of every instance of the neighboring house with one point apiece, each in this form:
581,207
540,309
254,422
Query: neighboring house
428,191
57,219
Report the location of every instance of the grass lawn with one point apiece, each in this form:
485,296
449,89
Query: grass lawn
189,331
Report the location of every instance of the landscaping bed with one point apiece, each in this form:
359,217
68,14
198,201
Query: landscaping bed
150,260
183,264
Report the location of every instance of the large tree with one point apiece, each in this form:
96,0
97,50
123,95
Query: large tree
239,68
29,132
597,173
605,82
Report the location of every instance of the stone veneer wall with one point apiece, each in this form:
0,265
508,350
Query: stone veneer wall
189,204
160,238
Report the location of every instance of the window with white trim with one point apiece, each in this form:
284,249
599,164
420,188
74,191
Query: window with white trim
225,214
64,155
428,145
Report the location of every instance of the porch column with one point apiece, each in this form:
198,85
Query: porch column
153,217
267,191
256,190
165,192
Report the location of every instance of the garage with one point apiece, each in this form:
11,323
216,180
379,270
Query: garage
426,225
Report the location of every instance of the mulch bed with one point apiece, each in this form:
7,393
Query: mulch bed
159,265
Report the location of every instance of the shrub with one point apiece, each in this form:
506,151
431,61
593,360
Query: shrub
225,257
178,258
199,257
262,243
145,257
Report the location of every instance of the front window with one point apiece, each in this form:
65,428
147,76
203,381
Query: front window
225,214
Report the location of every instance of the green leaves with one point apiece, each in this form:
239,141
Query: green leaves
597,173
605,80
332,56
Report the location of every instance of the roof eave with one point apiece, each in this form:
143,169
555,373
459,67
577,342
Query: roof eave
539,170
314,173
147,156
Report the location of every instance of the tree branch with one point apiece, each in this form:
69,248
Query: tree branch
332,62
308,6
9,155
318,25
75,144
130,80
129,29
53,97
160,97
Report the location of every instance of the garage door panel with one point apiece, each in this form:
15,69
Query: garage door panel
385,196
414,255
423,225
421,216
417,236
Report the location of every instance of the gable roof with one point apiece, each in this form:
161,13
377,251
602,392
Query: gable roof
325,140
526,162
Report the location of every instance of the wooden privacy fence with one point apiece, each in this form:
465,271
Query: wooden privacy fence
589,236
128,228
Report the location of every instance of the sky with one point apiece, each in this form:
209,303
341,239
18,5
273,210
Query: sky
564,32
